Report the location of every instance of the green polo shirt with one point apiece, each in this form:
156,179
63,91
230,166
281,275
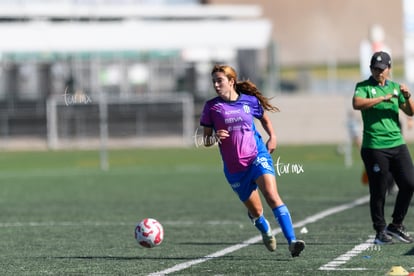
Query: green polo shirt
381,123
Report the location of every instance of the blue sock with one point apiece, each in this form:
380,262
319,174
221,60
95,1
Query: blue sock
262,224
282,216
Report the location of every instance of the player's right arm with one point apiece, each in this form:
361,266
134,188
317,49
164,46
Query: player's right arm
360,103
211,137
361,100
208,137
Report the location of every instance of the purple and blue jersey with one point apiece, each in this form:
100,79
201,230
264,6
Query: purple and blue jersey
240,149
244,153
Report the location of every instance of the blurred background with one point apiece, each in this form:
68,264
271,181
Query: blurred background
122,73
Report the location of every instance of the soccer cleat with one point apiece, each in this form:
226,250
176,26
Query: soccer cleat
269,241
383,238
399,233
296,247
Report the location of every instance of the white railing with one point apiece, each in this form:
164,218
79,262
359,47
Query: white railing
90,121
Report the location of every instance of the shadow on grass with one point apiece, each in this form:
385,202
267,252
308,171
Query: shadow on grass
271,256
117,258
215,243
410,252
123,258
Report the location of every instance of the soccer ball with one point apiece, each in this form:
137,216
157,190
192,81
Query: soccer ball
149,233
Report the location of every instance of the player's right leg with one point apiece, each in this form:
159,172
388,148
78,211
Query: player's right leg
255,213
263,226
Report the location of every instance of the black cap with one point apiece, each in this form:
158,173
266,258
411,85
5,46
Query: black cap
380,60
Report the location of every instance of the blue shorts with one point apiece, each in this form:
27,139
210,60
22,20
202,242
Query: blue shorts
244,183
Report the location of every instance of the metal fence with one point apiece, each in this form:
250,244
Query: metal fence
113,121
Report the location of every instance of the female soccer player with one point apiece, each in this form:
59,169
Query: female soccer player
228,119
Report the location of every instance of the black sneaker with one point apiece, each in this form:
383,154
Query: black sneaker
296,247
383,238
399,233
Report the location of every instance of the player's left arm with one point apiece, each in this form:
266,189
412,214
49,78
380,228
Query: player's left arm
267,126
408,106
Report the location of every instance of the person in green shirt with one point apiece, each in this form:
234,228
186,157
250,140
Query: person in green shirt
383,148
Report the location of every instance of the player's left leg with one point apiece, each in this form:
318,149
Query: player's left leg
268,187
243,185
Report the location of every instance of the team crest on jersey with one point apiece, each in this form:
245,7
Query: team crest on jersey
373,91
395,92
246,108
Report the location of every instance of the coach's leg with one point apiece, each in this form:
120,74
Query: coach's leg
403,172
376,165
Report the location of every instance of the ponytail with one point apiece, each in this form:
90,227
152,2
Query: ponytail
249,88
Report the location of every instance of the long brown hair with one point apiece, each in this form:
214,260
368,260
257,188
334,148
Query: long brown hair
245,86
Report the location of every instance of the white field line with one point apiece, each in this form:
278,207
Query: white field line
255,239
344,258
